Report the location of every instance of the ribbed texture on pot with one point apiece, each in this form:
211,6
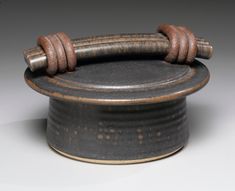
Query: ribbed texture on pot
117,132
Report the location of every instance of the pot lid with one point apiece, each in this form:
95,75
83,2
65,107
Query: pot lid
122,82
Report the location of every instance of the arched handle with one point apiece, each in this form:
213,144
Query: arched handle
57,53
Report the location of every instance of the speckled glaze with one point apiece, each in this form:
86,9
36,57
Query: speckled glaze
119,112
117,133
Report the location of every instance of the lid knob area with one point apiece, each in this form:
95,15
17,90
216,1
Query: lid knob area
57,53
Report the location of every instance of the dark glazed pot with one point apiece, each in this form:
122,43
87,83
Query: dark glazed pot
119,112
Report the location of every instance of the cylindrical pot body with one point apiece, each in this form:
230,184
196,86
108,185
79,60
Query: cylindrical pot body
112,134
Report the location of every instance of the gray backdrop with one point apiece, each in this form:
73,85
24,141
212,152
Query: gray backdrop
208,160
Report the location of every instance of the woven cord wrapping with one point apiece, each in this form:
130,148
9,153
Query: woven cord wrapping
59,51
61,56
183,47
